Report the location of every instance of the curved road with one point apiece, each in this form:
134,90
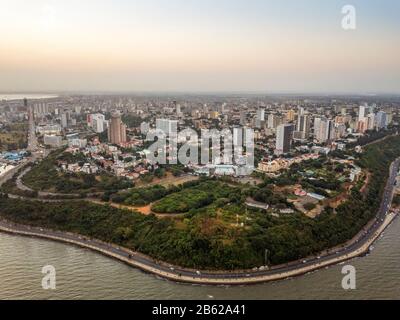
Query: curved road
359,246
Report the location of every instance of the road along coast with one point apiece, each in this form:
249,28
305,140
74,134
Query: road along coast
356,247
149,265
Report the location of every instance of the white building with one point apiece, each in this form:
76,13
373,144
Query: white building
361,113
97,122
52,140
77,143
381,120
40,109
260,117
64,120
324,130
49,129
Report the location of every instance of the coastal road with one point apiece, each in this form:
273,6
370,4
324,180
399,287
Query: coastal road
357,247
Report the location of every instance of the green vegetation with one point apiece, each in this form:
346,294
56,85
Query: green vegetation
14,137
371,136
140,196
10,186
132,121
218,234
147,195
183,201
197,195
45,176
310,206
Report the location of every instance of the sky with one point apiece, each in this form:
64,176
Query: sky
199,46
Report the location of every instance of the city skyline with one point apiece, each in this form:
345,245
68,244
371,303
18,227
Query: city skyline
181,46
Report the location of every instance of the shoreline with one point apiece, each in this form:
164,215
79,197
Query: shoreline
142,262
358,246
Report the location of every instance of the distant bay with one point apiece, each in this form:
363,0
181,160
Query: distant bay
20,96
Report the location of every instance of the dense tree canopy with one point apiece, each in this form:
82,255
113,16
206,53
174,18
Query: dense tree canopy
208,234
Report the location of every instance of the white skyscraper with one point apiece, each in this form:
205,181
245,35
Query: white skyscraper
64,120
361,113
260,117
381,120
371,121
97,122
237,137
324,130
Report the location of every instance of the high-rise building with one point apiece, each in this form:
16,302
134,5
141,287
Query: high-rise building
270,122
64,120
260,117
40,109
303,127
324,130
116,130
242,118
371,123
340,131
274,121
362,125
361,113
237,137
284,137
97,122
381,120
290,115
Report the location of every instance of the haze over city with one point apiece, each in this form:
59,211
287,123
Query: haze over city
239,46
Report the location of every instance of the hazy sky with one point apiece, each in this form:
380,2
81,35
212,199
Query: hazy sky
198,45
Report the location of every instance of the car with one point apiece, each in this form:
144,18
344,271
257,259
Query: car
304,261
198,272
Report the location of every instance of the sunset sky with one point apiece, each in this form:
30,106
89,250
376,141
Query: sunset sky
199,46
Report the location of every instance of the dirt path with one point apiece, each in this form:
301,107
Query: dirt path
145,210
